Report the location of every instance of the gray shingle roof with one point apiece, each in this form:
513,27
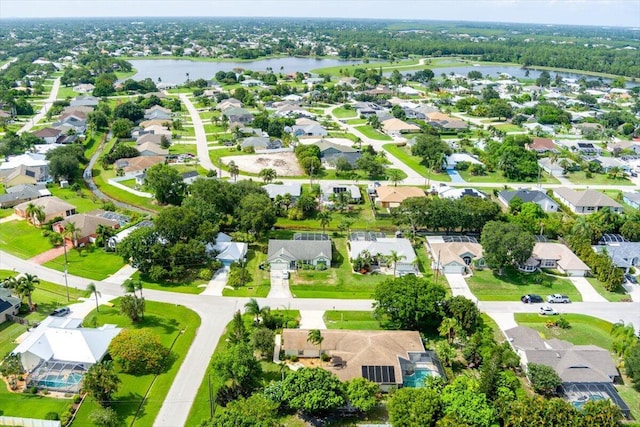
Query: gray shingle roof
299,249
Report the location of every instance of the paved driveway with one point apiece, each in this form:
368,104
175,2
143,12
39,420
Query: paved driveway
459,286
586,290
279,286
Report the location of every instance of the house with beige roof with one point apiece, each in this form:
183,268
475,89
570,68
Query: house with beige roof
586,201
455,256
555,256
52,206
151,149
86,227
135,165
388,358
391,197
396,127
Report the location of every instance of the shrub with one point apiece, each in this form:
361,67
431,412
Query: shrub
33,389
325,357
292,324
54,416
138,351
205,274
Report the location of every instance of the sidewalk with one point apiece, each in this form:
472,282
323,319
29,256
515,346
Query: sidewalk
121,275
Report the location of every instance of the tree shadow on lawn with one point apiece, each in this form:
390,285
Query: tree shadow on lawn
514,277
169,326
127,405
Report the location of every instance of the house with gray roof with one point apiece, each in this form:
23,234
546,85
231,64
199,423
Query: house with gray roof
623,254
586,201
22,193
9,305
307,127
84,101
529,196
331,152
291,254
381,248
632,199
237,115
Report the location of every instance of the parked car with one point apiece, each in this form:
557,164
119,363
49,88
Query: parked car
558,299
630,278
60,312
531,299
285,274
546,310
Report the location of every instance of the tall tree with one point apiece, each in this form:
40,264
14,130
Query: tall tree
505,244
234,170
166,183
93,289
101,382
268,175
325,218
25,287
315,337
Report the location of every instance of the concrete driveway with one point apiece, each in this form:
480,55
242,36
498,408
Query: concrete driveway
279,285
459,286
586,290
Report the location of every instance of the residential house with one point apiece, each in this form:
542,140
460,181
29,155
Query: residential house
61,346
305,127
157,112
227,250
257,142
229,103
328,190
632,199
52,206
155,122
625,255
72,121
84,88
366,109
292,254
190,177
553,168
452,160
587,372
149,138
395,127
252,83
583,147
455,193
151,149
158,130
9,305
380,248
529,196
619,146
586,201
48,135
391,197
409,91
237,115
136,165
330,153
445,122
294,189
84,101
609,163
455,257
86,227
541,145
555,256
115,240
22,193
391,359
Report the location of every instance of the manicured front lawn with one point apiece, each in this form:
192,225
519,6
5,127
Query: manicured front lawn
28,405
92,263
66,92
172,323
356,121
343,113
579,177
619,295
355,320
404,155
83,199
497,177
184,287
183,148
100,178
584,330
488,286
260,283
372,133
339,281
22,239
507,127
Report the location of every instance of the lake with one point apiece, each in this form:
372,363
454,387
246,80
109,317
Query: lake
174,71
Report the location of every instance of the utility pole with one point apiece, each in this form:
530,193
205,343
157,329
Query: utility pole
66,281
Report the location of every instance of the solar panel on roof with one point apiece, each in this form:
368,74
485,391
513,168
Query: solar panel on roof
379,374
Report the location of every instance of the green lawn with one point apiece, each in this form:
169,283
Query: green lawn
92,263
596,179
488,286
584,330
29,405
404,155
489,322
170,322
372,133
183,148
497,177
66,92
211,128
343,113
190,286
260,283
617,296
100,178
22,239
83,200
356,121
507,127
631,398
338,282
355,320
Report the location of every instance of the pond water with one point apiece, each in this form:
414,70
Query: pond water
174,71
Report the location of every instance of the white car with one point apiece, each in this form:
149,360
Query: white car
557,298
546,310
285,274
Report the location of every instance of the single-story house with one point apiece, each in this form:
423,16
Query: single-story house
48,135
153,138
619,146
9,305
60,343
554,168
586,201
151,149
237,115
529,196
22,193
86,227
555,256
114,240
608,163
454,193
624,255
136,165
391,197
396,127
307,127
157,112
330,152
190,177
159,130
84,88
229,103
328,190
541,145
444,121
381,247
294,189
28,168
454,257
257,142
84,101
290,254
584,147
632,199
455,158
227,250
51,205
388,358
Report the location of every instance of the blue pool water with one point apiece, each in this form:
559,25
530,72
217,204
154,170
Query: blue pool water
417,379
578,404
53,381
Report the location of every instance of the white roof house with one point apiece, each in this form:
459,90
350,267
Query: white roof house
63,340
294,189
455,158
383,246
228,250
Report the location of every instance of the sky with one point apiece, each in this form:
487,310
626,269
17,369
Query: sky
625,13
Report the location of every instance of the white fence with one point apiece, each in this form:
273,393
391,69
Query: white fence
27,422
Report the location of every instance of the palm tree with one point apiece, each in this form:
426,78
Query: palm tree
132,286
103,232
315,337
25,287
395,176
35,214
325,219
394,257
268,175
253,308
70,232
91,288
234,170
10,282
449,329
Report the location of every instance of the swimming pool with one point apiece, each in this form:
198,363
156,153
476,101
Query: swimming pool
56,382
578,404
416,380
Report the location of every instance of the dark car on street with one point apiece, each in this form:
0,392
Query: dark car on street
531,299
